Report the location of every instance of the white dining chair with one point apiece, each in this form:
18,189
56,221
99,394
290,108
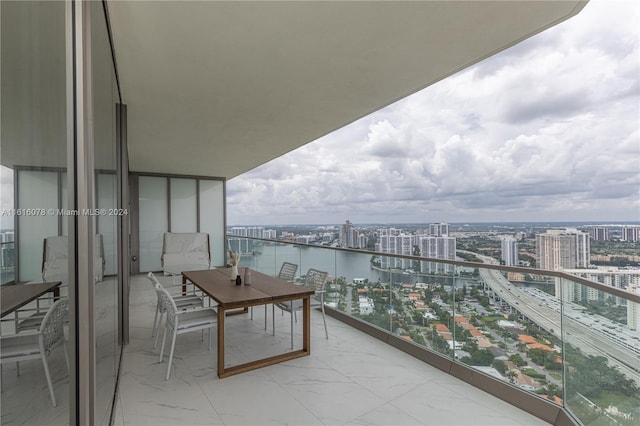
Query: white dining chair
180,322
190,301
50,335
287,273
315,280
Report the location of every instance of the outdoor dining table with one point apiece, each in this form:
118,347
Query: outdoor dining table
263,289
15,296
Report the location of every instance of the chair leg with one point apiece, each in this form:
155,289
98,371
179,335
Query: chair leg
66,356
48,375
324,319
164,339
155,341
155,322
173,345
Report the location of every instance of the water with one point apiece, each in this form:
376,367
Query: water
268,258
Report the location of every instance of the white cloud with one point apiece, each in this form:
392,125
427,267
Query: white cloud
547,130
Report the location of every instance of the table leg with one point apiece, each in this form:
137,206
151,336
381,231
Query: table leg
184,284
306,325
221,315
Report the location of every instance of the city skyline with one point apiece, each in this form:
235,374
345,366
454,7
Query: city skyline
546,131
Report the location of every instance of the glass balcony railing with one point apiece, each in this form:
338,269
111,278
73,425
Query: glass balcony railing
570,341
7,262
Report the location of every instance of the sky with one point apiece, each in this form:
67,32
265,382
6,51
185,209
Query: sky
547,130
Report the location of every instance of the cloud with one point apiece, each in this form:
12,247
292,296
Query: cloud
547,130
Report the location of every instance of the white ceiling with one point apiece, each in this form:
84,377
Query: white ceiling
218,88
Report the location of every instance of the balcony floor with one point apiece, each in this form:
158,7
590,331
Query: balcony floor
349,379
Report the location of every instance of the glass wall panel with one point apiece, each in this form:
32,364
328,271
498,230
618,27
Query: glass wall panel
37,192
183,205
106,223
105,98
212,217
153,220
33,143
64,197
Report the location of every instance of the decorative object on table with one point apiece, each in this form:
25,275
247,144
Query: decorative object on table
247,276
234,259
238,280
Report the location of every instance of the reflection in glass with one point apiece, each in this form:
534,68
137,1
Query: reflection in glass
105,98
34,162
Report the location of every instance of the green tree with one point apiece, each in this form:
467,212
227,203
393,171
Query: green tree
500,366
517,360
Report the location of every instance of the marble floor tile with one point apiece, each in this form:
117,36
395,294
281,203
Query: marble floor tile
349,379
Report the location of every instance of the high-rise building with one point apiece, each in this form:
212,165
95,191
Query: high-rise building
346,234
630,233
437,248
269,234
251,231
567,249
350,237
625,279
392,241
633,313
600,233
439,229
509,251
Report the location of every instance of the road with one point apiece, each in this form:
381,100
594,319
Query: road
548,317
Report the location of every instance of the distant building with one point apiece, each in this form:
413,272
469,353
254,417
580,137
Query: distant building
393,241
350,237
305,239
600,233
387,244
252,231
630,233
567,249
633,313
439,229
625,279
437,248
365,305
240,245
269,234
346,234
510,251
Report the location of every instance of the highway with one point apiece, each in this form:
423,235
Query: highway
544,310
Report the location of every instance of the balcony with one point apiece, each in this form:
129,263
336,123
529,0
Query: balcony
351,378
408,341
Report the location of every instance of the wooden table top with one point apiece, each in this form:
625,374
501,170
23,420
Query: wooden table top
13,297
218,285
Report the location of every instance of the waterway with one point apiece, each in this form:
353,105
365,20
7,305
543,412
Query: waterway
267,258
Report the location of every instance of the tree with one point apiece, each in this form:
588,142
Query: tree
500,366
517,360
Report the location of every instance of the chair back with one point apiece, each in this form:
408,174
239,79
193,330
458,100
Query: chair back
288,271
156,285
168,305
154,280
316,280
51,329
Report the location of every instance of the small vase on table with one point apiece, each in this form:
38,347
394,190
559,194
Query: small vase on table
234,273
